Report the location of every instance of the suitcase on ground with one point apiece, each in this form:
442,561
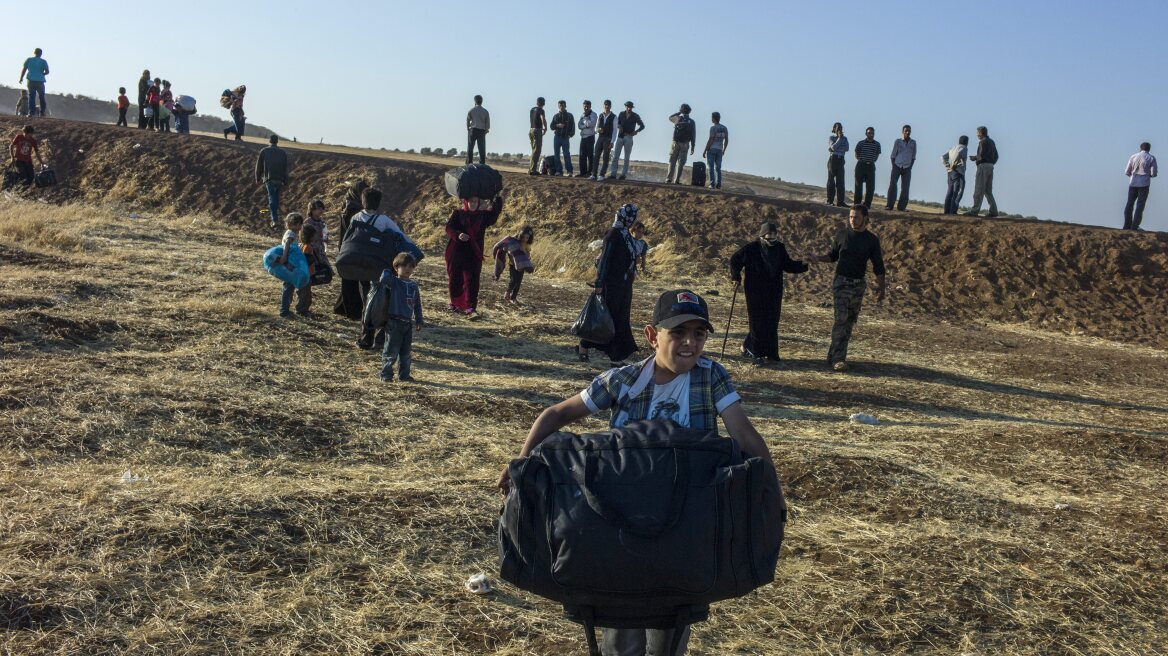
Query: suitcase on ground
45,178
698,178
551,166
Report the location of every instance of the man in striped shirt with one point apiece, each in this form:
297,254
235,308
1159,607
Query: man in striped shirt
867,152
1141,168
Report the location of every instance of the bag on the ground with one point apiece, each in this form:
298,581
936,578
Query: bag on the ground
366,251
11,176
294,271
186,104
594,323
45,177
322,273
226,99
641,526
474,181
550,166
698,177
376,313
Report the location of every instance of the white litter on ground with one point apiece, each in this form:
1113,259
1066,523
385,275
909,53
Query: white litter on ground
861,418
129,477
595,246
479,584
1062,506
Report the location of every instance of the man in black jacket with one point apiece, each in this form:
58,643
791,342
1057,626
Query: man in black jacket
605,131
628,125
983,181
684,135
564,127
272,171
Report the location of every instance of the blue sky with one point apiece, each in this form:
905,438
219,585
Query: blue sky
1068,89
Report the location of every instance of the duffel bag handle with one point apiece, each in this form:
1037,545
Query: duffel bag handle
642,529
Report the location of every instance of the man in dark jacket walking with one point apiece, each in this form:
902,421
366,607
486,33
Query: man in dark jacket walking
564,127
684,135
272,171
763,261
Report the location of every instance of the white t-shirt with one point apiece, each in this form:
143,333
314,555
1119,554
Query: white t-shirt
671,401
379,221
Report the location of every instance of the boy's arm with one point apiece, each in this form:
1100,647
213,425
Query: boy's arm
739,427
418,307
549,421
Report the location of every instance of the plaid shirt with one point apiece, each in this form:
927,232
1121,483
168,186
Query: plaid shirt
628,391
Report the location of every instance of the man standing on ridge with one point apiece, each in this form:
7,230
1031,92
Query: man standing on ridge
587,125
837,151
904,155
867,152
143,88
478,124
983,181
1141,168
715,148
564,127
36,68
605,130
538,123
851,248
628,125
272,171
684,135
954,161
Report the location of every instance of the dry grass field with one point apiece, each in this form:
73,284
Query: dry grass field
183,472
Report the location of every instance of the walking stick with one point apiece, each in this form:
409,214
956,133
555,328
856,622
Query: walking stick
732,300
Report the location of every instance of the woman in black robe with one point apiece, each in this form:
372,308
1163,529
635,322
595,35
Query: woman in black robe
351,302
763,261
614,282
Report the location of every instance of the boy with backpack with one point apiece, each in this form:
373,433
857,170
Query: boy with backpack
405,317
677,383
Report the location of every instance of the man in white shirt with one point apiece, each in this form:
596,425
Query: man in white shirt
587,127
955,162
478,124
904,155
1141,168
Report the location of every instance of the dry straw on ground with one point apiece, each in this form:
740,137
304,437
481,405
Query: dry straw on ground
1012,500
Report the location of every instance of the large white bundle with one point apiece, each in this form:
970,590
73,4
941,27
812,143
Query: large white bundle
185,103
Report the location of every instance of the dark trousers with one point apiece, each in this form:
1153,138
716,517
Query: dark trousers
1137,197
848,298
122,116
601,155
154,121
536,137
35,90
238,125
463,277
476,136
954,192
618,296
763,310
587,155
399,341
865,184
514,280
899,174
25,170
835,181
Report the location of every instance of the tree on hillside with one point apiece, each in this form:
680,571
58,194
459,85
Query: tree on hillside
425,151
452,152
410,151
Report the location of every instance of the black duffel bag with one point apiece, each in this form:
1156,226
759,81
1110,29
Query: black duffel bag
474,181
641,526
594,323
366,251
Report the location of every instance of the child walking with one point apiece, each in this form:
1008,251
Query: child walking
405,316
123,105
514,252
293,222
316,220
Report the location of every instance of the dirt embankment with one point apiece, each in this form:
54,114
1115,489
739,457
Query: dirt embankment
1065,277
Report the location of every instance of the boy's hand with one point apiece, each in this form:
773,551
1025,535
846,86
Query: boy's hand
462,236
418,326
505,482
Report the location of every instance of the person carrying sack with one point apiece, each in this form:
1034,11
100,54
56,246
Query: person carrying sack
677,384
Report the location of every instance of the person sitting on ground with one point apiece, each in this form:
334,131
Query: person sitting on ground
764,261
293,222
467,228
22,103
514,253
22,148
405,317
123,106
676,383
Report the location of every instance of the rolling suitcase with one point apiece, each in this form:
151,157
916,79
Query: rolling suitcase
699,174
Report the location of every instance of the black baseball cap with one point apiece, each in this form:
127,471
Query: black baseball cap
678,306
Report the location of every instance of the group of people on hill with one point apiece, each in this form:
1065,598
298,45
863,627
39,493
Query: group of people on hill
156,105
599,135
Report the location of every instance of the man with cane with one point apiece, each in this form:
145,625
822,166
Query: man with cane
851,248
762,263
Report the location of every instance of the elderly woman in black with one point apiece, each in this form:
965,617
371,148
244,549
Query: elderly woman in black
352,300
763,262
615,271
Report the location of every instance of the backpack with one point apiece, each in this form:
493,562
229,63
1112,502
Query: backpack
226,99
641,526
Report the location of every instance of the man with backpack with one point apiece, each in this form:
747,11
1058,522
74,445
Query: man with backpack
684,135
678,384
478,124
272,171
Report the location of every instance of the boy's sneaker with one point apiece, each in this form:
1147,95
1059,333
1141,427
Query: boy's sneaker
386,379
758,362
408,379
364,344
581,354
620,177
